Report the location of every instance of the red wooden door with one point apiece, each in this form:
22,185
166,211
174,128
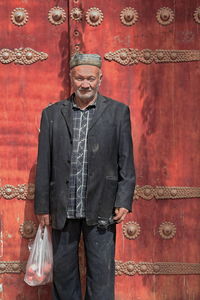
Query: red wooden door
29,82
158,246
151,62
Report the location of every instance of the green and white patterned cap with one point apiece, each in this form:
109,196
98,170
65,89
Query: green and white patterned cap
85,59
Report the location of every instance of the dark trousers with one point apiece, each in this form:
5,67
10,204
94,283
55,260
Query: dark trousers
99,249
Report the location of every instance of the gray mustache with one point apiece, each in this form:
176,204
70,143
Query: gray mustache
84,89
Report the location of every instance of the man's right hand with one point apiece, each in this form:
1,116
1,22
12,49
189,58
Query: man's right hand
44,220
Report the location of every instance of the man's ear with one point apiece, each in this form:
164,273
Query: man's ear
70,77
100,77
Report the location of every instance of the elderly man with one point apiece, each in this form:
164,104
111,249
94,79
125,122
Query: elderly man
85,181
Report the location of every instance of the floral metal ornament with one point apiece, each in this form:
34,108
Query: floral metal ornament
22,56
57,15
165,16
28,229
131,230
129,16
197,15
76,14
19,16
167,230
94,16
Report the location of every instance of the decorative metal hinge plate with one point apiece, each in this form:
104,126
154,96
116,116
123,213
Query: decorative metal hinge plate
158,268
129,56
148,192
124,268
21,191
21,56
12,267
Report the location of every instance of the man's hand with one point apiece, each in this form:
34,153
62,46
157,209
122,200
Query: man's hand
120,214
44,220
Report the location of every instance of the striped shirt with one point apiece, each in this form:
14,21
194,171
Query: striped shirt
79,163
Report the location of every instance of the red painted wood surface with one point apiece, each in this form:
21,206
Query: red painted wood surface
25,91
164,103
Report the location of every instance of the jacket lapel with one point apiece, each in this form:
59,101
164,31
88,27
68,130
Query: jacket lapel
100,107
66,111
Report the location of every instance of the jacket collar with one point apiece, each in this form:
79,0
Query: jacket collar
66,110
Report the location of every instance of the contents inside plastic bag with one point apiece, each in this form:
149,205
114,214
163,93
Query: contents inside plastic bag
40,262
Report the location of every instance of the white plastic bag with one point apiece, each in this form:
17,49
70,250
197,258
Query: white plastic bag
40,262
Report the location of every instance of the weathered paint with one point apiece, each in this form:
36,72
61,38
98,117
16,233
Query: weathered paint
25,91
164,105
1,237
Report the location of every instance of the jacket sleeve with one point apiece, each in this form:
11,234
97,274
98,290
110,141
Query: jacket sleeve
43,170
126,169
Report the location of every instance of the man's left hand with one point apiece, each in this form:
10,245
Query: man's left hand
120,214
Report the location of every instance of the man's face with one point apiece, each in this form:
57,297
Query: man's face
85,81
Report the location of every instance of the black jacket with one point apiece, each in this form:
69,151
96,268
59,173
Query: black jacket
111,175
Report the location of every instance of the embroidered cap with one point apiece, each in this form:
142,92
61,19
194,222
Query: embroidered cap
85,59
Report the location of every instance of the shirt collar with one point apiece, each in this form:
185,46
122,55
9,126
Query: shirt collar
74,105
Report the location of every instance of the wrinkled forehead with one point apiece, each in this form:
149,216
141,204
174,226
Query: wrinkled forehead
85,71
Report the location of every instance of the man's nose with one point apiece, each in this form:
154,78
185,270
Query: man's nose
85,84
